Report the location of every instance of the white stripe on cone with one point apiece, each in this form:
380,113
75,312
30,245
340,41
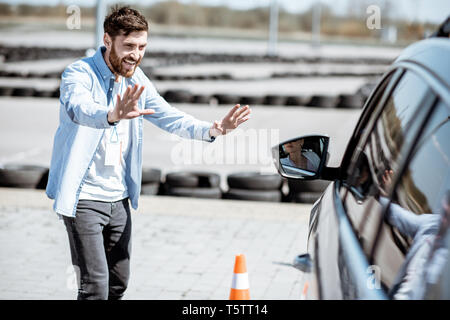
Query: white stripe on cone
240,281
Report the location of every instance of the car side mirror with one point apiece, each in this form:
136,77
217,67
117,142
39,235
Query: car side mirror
301,158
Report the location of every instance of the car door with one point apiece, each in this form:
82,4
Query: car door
388,135
411,246
323,244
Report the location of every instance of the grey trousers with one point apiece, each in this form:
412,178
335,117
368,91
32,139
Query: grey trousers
100,246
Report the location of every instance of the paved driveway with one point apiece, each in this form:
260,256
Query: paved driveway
182,248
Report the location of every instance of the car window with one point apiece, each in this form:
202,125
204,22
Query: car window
380,154
369,113
416,221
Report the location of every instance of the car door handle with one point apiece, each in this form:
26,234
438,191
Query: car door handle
303,262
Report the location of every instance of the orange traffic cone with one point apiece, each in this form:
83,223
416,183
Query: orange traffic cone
240,287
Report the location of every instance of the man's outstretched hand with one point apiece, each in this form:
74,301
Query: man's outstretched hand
127,106
231,121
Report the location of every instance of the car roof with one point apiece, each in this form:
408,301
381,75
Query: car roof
433,54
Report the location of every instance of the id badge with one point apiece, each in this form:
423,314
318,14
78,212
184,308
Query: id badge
113,152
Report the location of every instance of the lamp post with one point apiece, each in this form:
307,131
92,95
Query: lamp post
316,24
100,16
273,28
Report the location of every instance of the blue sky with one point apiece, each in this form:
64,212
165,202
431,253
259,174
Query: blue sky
413,10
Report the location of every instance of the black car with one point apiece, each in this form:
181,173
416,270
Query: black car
381,230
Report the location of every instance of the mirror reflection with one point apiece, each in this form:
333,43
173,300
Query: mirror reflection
302,155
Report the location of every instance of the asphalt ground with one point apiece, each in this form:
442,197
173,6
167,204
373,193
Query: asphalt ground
181,248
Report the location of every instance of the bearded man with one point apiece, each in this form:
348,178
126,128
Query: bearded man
96,165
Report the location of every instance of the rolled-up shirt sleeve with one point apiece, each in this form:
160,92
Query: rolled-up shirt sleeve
172,119
76,97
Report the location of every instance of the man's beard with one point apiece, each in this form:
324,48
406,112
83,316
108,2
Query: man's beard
116,63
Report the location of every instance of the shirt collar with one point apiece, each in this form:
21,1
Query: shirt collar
101,64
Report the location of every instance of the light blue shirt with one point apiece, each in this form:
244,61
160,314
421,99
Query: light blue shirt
85,91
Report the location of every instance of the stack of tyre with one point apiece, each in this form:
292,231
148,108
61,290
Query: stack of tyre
254,186
23,176
151,181
204,185
305,191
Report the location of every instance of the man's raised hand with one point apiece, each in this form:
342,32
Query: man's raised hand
231,121
127,106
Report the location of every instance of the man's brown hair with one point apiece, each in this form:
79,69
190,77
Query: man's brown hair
123,21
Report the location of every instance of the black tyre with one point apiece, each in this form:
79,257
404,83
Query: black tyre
178,96
56,93
52,75
150,188
201,99
205,193
227,98
251,100
162,77
307,197
273,100
42,184
23,92
225,76
299,186
323,101
43,93
366,89
175,77
353,101
254,181
21,176
193,180
278,75
151,175
199,77
6,91
296,101
253,195
14,74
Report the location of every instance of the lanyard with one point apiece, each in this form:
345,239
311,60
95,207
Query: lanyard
110,90
114,135
114,138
